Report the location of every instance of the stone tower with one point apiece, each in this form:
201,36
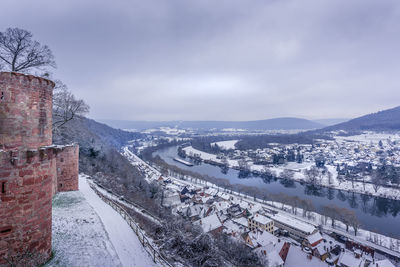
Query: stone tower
32,170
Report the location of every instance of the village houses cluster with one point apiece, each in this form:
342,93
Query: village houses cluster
275,236
348,156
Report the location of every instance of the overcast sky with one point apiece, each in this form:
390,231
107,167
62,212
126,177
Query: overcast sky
220,59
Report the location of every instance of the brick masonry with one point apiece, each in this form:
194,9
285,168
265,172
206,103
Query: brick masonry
25,111
67,168
31,169
25,200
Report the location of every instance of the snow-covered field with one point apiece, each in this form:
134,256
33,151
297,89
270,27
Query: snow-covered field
88,232
369,137
207,156
230,144
167,130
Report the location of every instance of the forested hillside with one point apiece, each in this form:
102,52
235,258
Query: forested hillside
99,156
262,141
386,120
89,133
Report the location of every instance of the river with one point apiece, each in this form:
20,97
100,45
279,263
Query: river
377,214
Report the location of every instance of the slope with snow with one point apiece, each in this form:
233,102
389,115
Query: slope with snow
79,238
125,241
88,232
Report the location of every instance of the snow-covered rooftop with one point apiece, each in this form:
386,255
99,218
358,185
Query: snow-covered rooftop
383,263
296,258
242,221
348,259
209,223
314,238
303,226
263,238
261,219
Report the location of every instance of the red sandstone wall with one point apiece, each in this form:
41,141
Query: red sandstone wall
25,201
25,111
67,168
28,173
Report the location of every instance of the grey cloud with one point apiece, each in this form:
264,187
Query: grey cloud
228,60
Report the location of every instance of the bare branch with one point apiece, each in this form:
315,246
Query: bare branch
18,52
65,106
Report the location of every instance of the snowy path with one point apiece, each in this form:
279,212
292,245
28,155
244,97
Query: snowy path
79,237
124,240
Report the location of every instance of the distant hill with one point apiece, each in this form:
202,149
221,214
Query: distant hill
269,124
386,120
331,121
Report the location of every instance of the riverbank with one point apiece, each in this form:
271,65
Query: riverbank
375,214
383,243
331,181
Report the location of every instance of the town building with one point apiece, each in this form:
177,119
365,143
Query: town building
297,229
261,222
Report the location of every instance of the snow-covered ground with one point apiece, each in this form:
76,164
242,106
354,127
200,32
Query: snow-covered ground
208,156
125,241
88,232
79,238
368,137
230,144
167,130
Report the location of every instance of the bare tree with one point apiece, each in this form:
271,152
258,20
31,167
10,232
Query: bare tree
287,174
65,106
224,162
355,224
346,216
331,211
307,206
19,53
243,165
376,180
329,177
313,175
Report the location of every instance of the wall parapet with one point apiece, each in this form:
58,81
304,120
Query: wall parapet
26,111
32,170
28,77
25,197
67,162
